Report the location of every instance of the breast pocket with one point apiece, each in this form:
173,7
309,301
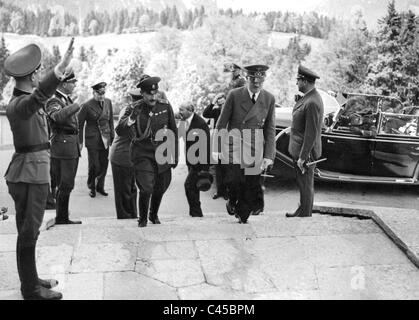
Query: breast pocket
37,166
42,117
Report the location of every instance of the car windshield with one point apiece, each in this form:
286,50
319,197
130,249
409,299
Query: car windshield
361,111
405,124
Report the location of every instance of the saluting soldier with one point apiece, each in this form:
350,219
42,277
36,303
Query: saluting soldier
251,109
65,148
28,174
98,115
305,141
143,122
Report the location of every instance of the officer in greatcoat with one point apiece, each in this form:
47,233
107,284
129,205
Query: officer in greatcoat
28,174
65,148
97,114
305,143
145,122
249,116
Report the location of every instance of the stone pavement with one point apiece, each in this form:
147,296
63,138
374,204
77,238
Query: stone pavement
401,225
214,257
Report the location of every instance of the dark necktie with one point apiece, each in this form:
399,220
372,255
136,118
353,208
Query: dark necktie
254,98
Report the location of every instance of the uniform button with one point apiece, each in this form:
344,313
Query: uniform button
65,141
244,122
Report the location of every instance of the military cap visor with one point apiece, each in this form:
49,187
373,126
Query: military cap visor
99,86
149,85
305,73
135,92
230,67
256,71
24,61
70,78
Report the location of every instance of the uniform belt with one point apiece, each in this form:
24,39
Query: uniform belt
66,131
33,148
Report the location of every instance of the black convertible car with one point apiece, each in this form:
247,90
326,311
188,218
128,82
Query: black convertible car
366,138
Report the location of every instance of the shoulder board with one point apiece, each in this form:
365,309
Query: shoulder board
162,101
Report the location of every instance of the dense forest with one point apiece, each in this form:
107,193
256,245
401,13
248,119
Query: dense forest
351,57
46,23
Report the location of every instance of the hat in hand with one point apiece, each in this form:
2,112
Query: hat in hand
205,180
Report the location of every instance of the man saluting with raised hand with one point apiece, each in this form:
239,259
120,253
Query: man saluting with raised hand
28,174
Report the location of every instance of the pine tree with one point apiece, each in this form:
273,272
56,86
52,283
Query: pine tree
82,54
386,75
410,58
56,55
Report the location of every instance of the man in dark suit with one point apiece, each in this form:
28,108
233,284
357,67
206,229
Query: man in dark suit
249,113
98,115
305,141
145,123
28,174
197,132
65,148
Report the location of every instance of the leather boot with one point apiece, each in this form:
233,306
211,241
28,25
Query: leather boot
154,208
144,204
31,288
62,209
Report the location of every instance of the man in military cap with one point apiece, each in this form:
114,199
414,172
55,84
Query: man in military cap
143,122
97,113
123,170
249,109
28,174
213,111
305,141
237,79
65,148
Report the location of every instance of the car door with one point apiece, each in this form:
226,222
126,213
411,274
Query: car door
396,151
346,153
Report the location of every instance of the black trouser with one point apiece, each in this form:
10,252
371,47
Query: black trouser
152,186
192,192
220,172
243,190
125,191
305,184
65,171
259,199
30,200
98,166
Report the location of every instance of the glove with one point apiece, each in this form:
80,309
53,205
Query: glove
266,163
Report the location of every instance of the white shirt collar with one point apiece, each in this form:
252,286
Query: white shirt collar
251,94
189,120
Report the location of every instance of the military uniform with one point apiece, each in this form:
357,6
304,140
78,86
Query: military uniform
28,174
305,141
241,112
237,82
152,178
123,176
65,149
99,135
